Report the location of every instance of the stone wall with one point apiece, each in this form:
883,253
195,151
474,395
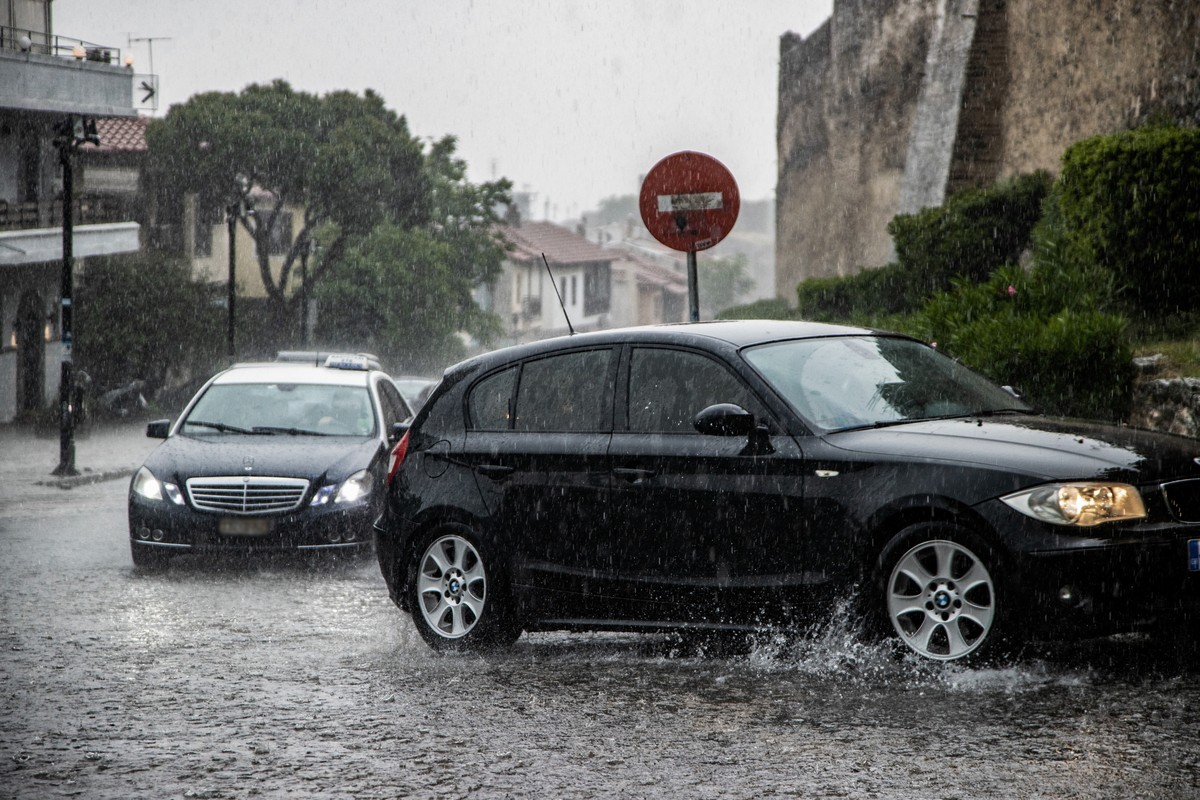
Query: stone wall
880,102
1168,404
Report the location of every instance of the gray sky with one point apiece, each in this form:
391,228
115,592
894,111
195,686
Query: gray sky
574,100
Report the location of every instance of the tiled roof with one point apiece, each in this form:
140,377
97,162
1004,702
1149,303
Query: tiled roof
121,135
561,246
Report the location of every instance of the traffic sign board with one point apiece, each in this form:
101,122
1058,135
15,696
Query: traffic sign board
689,201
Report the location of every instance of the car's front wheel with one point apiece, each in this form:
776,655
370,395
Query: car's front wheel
458,596
940,592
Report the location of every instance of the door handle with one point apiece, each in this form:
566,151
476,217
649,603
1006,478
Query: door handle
494,471
633,475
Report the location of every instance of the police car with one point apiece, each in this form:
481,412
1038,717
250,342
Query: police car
282,456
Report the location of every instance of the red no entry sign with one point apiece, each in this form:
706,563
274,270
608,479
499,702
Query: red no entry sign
689,201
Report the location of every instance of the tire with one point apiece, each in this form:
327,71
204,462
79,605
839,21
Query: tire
458,595
937,590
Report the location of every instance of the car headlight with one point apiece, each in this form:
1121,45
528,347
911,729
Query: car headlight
1082,503
151,488
356,487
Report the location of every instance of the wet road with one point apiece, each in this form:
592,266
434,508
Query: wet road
281,680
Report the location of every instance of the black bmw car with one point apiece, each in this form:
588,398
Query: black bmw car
740,475
268,457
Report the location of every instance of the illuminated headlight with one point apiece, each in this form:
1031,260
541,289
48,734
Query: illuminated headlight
151,488
1082,504
356,487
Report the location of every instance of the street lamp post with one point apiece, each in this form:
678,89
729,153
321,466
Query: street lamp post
234,212
231,219
72,133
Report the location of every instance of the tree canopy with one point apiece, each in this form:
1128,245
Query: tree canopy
350,166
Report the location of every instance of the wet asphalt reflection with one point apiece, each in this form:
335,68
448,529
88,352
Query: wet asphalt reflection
292,679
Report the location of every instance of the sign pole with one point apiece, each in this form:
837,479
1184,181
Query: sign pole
689,202
693,288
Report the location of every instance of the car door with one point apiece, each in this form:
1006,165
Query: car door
704,527
538,443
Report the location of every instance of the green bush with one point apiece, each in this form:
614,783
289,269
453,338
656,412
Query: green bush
773,308
1043,332
1130,203
871,292
971,235
143,317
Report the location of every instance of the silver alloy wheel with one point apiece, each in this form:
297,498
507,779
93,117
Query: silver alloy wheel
941,600
451,586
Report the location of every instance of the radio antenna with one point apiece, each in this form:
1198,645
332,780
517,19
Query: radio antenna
561,304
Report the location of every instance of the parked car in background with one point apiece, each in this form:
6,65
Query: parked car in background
734,476
416,389
269,457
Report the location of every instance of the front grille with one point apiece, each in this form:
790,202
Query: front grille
247,495
1183,498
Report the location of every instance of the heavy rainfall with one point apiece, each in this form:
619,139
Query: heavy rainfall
337,459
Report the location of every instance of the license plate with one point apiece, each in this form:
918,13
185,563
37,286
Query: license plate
1194,555
243,526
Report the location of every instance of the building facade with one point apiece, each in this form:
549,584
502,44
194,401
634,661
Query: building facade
52,89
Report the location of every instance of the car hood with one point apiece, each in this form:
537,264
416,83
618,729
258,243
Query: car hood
313,457
1050,449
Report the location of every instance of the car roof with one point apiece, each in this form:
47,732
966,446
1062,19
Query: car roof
733,333
285,372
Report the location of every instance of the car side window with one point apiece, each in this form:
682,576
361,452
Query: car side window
568,392
394,408
490,403
667,388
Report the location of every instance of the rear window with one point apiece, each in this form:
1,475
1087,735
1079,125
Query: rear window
566,392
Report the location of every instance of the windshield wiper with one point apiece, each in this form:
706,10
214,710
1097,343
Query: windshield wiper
997,412
288,431
221,426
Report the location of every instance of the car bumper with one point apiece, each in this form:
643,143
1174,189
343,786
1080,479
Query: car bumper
1115,580
182,529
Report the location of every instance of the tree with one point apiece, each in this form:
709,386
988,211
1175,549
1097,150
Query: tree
406,293
142,317
347,161
723,283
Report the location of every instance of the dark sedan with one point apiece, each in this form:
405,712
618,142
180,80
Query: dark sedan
268,457
746,475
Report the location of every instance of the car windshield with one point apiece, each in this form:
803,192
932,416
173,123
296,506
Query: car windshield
838,383
282,408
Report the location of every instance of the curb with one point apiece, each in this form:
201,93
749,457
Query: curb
87,477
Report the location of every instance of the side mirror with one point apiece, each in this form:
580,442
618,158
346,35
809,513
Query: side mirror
397,432
158,429
724,419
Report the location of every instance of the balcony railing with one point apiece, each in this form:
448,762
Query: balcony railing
27,41
88,211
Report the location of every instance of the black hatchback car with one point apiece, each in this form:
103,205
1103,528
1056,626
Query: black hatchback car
272,457
741,475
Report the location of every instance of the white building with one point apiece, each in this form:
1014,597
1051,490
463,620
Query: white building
49,86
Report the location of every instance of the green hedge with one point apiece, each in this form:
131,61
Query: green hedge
969,236
1131,203
1044,332
975,232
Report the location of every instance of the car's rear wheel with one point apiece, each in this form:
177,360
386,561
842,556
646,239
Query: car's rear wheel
938,588
459,598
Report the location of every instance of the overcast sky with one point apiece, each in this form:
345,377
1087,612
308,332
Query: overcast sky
574,100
